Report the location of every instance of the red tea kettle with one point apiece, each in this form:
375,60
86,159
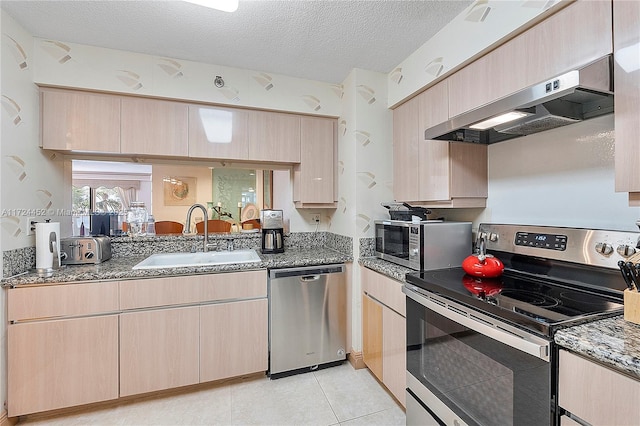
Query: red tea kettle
483,264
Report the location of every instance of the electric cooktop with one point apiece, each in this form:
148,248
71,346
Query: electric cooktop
534,304
554,276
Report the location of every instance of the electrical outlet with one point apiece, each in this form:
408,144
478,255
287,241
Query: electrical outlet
30,226
315,218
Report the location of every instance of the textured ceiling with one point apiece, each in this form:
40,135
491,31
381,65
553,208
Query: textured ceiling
314,39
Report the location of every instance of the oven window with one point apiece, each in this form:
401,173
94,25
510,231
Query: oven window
483,381
393,240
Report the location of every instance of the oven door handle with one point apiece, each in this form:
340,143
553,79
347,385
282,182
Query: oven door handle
482,324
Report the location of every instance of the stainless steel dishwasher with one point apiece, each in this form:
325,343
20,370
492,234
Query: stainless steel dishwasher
307,318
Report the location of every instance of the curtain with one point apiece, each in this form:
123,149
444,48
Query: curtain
126,196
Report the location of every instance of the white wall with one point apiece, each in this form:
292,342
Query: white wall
481,25
562,177
365,170
120,71
32,179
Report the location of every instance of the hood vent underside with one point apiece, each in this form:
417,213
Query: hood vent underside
573,97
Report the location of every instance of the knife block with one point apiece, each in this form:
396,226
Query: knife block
632,306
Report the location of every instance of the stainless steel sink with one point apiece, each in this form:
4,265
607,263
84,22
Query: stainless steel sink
210,258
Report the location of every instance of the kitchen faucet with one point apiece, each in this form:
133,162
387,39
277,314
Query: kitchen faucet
206,225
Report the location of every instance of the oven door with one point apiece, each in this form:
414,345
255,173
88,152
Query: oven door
468,368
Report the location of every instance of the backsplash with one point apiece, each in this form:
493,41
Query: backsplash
367,247
22,260
17,261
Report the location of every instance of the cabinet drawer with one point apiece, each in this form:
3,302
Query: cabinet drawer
384,289
236,285
596,393
62,300
152,292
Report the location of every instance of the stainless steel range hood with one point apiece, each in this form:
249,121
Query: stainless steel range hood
569,98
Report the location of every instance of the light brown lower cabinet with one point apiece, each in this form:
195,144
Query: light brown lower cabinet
159,349
394,358
61,363
383,345
372,335
79,343
233,339
595,393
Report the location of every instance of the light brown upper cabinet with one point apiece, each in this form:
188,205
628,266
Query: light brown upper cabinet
626,34
314,182
406,163
218,133
274,137
435,173
574,36
79,121
154,127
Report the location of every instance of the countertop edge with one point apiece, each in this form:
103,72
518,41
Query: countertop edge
612,342
121,268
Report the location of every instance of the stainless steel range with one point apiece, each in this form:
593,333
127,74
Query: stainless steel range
481,351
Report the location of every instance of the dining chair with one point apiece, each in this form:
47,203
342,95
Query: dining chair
215,225
168,227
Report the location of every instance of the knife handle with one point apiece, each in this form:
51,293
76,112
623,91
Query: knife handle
626,274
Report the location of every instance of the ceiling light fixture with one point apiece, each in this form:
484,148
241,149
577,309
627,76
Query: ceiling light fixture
223,5
499,119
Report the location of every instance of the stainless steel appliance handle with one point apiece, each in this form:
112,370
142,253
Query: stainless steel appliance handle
482,324
310,278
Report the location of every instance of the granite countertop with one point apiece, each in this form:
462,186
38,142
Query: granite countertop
120,268
387,268
612,341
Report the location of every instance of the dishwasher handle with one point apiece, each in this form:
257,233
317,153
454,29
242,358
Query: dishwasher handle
308,278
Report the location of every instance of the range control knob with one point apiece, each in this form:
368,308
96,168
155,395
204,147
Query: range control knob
493,237
604,248
625,250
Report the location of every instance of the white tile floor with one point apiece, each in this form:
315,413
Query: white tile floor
337,395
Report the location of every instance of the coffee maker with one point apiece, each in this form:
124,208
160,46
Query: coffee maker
272,231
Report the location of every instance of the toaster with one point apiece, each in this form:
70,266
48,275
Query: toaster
84,250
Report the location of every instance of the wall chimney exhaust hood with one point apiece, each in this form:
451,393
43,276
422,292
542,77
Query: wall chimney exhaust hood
569,98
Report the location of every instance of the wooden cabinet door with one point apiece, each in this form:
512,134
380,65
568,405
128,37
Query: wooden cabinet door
314,178
79,121
554,46
218,133
159,349
433,156
61,363
406,159
372,335
626,36
469,170
233,339
596,394
274,137
154,127
394,358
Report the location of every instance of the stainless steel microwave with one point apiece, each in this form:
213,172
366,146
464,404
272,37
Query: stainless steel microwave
430,244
